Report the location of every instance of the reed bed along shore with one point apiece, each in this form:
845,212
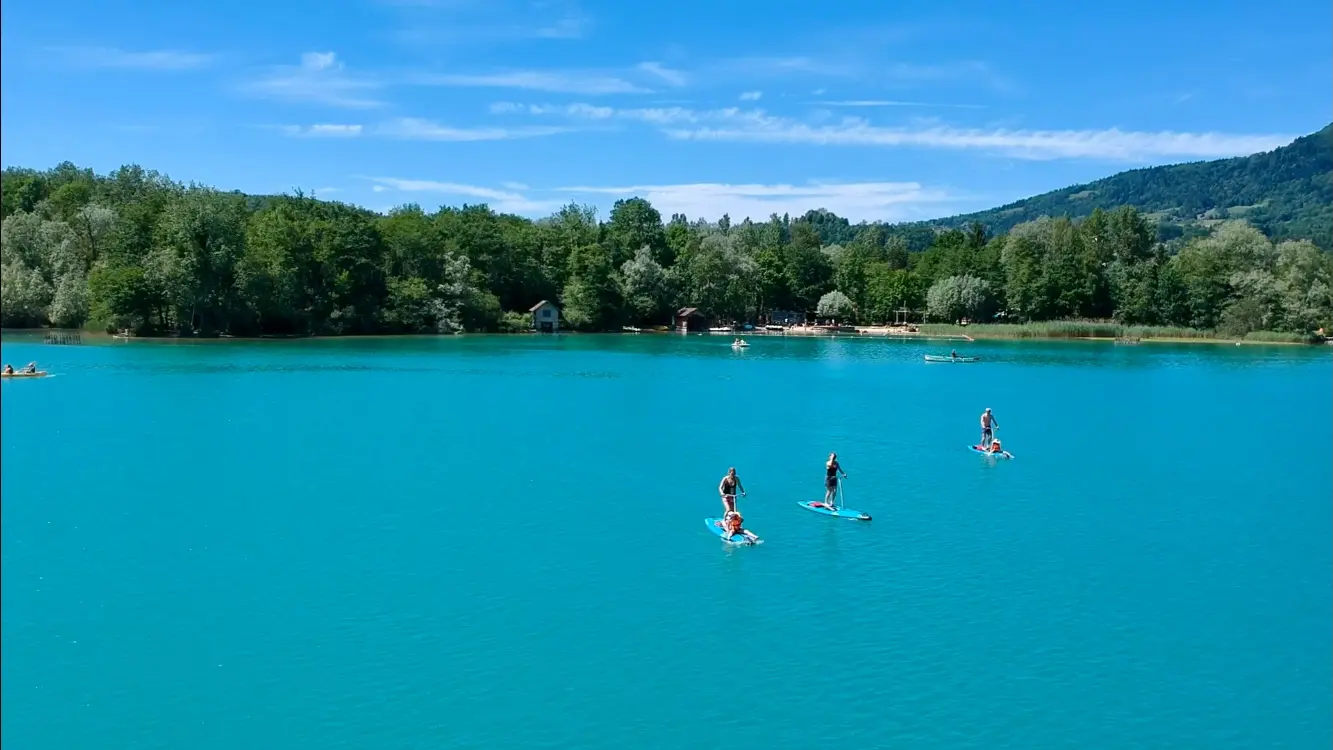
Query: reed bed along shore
1092,329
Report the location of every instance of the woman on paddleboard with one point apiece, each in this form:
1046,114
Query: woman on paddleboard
728,488
831,471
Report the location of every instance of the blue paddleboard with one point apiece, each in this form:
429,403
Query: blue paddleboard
819,507
739,540
984,452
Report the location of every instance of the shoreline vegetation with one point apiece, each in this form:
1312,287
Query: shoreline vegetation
136,254
1051,331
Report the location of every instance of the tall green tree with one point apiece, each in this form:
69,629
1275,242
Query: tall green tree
635,224
592,296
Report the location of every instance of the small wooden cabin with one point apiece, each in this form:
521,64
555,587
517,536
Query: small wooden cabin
545,317
690,319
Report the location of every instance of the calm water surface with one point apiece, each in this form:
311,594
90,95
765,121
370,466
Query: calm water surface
497,543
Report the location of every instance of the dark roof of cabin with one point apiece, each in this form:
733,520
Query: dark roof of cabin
687,311
539,306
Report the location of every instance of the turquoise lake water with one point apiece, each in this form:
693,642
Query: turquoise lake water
497,542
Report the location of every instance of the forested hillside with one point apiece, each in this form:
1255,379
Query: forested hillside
135,250
1287,193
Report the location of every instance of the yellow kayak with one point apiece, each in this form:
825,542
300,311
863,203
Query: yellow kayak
38,374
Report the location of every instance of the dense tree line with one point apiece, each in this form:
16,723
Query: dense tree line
1287,193
134,250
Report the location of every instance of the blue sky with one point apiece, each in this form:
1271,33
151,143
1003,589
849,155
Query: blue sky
893,111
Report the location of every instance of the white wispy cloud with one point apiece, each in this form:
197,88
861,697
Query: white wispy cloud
890,201
573,26
1109,144
670,76
906,71
473,22
859,66
751,96
555,82
650,115
320,79
322,131
757,126
895,103
418,129
441,4
781,67
110,57
857,201
504,201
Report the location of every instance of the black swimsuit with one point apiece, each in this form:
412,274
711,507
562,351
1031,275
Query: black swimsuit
831,476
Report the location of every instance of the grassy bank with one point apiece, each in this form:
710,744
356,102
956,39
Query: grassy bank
1095,329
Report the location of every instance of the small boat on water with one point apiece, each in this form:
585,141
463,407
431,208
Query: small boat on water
38,374
721,329
630,329
938,358
739,344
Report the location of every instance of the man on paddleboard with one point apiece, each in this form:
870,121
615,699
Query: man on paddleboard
730,484
831,471
988,425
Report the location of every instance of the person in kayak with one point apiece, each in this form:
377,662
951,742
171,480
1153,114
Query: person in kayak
733,523
953,354
9,369
988,425
831,471
728,488
31,368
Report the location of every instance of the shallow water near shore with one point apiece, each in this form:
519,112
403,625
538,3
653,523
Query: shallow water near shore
497,542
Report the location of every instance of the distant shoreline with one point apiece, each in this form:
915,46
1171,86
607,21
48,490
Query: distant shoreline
927,332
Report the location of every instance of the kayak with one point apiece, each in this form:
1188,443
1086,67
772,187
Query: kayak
818,506
937,358
739,540
984,452
38,374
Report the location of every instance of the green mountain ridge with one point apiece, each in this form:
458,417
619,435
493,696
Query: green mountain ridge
1286,193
